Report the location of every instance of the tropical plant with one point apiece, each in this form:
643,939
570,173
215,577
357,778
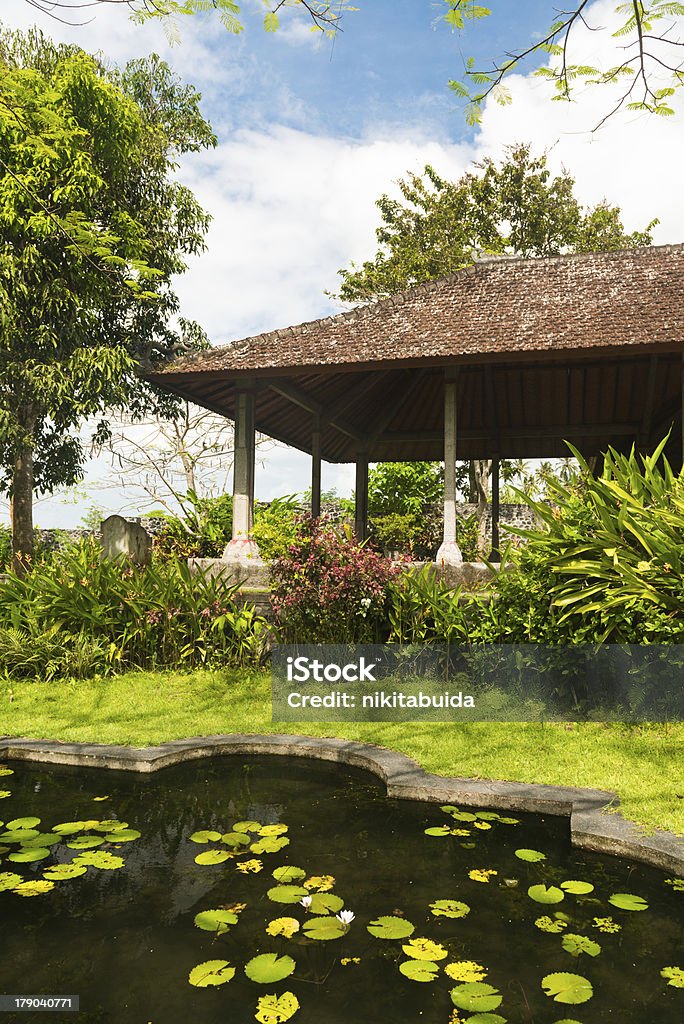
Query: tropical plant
328,588
152,616
276,525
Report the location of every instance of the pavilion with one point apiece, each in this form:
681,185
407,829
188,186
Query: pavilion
508,358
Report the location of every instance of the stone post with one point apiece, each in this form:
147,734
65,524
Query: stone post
242,549
316,469
449,553
361,511
495,555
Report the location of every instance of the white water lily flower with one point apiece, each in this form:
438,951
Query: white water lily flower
345,917
306,902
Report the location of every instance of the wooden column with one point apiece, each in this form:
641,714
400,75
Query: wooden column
495,555
316,468
242,548
361,495
450,553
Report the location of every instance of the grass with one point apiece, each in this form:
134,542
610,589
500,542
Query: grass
643,764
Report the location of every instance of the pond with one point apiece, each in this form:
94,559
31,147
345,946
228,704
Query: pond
175,898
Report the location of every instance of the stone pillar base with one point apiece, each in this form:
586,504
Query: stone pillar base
449,554
242,552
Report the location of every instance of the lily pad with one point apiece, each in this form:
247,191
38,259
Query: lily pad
44,839
577,888
552,925
285,926
575,945
324,928
101,859
676,883
626,901
4,793
288,873
319,883
217,921
205,836
267,968
22,823
247,826
438,830
62,872
486,1018
4,770
419,970
8,880
276,1009
211,973
465,970
287,893
325,903
69,828
391,928
277,829
424,949
124,835
674,976
532,856
449,908
34,888
234,840
212,857
27,856
270,845
568,988
19,835
545,894
85,842
476,997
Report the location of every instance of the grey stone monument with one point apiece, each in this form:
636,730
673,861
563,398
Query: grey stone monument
121,538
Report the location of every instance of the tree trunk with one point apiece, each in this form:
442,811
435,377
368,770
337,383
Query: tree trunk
479,492
22,504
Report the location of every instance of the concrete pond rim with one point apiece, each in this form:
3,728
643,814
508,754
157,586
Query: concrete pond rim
595,821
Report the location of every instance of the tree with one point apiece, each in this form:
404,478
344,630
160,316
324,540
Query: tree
325,17
439,227
92,228
648,44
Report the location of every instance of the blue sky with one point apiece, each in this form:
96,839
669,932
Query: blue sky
310,134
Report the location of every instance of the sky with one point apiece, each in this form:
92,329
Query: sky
311,132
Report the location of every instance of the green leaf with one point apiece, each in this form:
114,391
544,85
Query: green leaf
205,836
486,1018
674,976
476,997
62,872
17,823
68,828
449,908
626,901
215,920
545,894
530,855
419,970
124,835
235,840
324,928
575,945
548,924
268,968
287,893
288,873
275,1009
247,826
19,835
424,949
438,830
85,842
212,857
325,903
28,856
577,888
270,845
391,928
567,988
8,880
100,859
211,973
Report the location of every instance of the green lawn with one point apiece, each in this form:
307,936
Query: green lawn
643,764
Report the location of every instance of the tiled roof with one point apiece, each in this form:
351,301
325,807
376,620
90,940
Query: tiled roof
595,300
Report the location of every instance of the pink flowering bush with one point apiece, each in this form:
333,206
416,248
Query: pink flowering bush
328,588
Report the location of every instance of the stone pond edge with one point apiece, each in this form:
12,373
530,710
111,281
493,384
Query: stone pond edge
595,822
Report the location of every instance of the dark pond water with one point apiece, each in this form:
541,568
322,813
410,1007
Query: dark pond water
124,940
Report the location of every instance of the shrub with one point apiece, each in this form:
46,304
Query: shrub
153,616
202,531
46,655
330,589
275,526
